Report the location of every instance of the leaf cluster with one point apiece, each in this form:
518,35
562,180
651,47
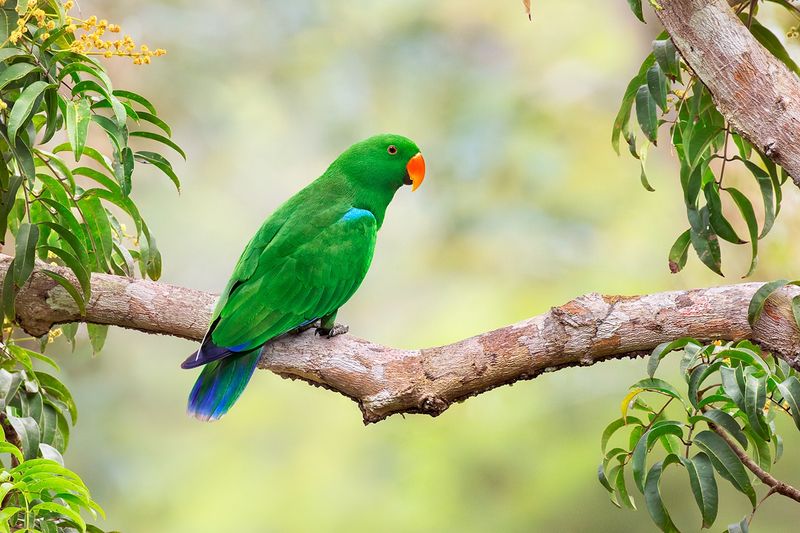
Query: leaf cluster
733,389
70,146
665,92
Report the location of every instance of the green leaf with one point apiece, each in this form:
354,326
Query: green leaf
714,399
636,7
679,252
51,109
658,385
622,120
67,285
746,355
78,248
615,426
768,187
716,217
601,476
159,138
769,41
25,105
154,120
99,228
739,527
755,397
55,389
639,458
97,336
48,427
100,178
25,250
7,201
78,116
139,99
760,450
663,349
150,255
790,390
7,512
622,491
704,240
731,386
652,497
9,385
127,170
667,57
697,377
657,85
728,423
646,113
9,293
116,134
160,162
10,52
726,462
15,72
75,265
704,486
28,432
74,68
760,298
743,146
749,215
66,512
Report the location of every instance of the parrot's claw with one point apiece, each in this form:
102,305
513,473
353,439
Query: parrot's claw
337,329
301,329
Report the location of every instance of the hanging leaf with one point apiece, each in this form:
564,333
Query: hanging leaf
636,7
646,113
704,486
25,250
25,105
652,497
78,116
725,462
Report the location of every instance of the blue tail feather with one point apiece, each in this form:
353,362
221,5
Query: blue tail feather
220,384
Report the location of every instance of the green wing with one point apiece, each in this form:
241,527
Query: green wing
300,267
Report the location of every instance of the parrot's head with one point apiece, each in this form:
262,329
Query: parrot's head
383,164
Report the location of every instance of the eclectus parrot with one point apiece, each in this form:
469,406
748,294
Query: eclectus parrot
304,263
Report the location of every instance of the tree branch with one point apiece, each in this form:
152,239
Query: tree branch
753,89
776,486
385,380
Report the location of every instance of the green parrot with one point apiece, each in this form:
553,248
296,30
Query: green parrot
302,265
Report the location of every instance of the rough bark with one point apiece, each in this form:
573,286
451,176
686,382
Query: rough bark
753,89
386,380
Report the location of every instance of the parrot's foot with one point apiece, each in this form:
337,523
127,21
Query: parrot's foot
337,329
301,329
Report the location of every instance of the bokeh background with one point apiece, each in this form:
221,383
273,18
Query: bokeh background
525,206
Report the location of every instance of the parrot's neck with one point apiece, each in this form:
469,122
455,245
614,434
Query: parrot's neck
374,201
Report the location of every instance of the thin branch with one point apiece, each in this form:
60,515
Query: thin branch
384,381
776,486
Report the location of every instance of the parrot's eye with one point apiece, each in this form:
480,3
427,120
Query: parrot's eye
392,149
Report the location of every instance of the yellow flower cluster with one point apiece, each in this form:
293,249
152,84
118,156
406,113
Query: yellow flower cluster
793,33
91,42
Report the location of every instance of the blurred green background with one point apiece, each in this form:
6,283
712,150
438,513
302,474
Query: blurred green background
525,206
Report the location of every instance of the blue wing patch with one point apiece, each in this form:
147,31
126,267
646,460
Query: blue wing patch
355,213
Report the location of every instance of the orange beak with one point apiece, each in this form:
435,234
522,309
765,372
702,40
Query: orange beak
416,171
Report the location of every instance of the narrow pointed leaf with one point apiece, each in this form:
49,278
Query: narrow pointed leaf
725,462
